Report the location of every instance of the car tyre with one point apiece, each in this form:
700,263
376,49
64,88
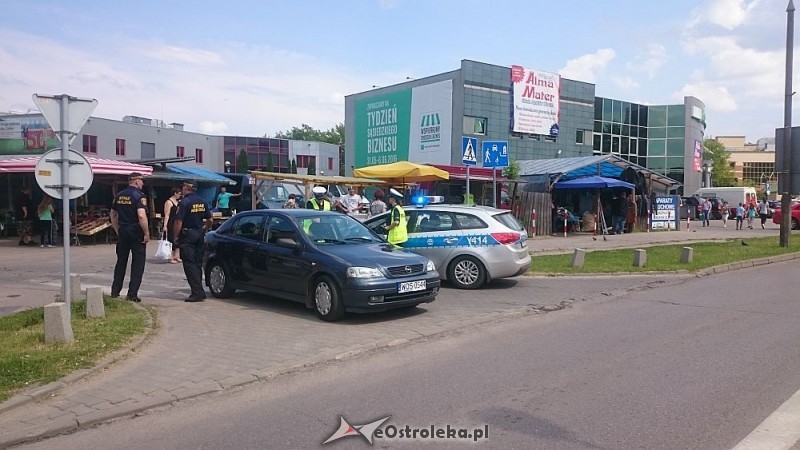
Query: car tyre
327,299
466,272
795,224
219,280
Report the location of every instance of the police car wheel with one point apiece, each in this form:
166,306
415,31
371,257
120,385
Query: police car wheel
219,282
466,272
327,299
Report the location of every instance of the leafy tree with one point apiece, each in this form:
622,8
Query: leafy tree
312,169
304,132
721,172
270,166
512,171
294,166
242,164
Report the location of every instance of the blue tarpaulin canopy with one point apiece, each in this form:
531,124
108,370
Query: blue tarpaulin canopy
592,182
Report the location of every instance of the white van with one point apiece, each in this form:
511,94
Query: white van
731,194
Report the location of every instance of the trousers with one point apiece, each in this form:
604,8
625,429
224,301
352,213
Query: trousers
191,243
130,243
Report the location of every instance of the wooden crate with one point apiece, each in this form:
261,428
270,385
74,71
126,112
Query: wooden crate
91,227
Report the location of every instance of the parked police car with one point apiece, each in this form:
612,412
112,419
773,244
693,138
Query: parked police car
470,245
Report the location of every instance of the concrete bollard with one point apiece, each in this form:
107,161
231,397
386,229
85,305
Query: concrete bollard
74,287
57,327
578,258
639,257
94,302
687,255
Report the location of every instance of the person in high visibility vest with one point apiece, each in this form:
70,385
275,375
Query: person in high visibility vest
318,202
397,232
469,199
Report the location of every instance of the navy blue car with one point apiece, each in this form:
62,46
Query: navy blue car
326,260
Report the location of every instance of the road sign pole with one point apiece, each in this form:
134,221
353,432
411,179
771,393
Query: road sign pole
67,294
494,187
466,199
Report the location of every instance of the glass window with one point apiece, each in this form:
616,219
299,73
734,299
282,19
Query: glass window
598,108
616,128
657,132
658,116
633,145
675,147
657,147
643,115
626,130
579,137
606,143
89,144
642,132
614,144
617,117
431,221
607,127
676,132
634,114
280,228
624,145
607,107
469,222
475,125
642,147
120,147
248,227
598,126
596,142
198,155
626,112
657,164
674,163
676,116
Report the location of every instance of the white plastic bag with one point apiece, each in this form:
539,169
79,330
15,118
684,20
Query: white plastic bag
164,249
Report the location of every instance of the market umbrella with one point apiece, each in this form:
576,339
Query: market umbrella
592,182
402,172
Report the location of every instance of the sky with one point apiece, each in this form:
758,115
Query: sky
254,68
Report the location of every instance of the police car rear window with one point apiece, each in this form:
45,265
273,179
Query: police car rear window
508,220
469,222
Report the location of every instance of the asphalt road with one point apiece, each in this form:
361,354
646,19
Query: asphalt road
697,364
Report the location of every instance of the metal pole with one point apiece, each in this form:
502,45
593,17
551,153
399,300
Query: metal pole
786,195
466,199
494,187
67,294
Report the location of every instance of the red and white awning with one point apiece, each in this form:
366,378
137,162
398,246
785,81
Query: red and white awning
99,166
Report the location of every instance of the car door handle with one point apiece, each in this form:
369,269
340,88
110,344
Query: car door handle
451,240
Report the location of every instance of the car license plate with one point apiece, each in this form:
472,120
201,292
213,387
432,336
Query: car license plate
411,286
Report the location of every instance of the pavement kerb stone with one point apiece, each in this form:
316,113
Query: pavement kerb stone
47,390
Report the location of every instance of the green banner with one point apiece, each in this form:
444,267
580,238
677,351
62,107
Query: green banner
382,125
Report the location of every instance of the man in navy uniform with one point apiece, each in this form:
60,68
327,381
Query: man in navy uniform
192,220
129,220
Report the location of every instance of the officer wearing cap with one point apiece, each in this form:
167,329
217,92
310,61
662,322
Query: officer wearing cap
129,220
396,227
192,220
319,201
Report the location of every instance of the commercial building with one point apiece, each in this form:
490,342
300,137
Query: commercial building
752,164
540,114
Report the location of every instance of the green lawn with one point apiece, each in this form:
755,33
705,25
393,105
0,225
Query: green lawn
666,257
25,359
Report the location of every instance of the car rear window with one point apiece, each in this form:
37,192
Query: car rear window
508,220
469,222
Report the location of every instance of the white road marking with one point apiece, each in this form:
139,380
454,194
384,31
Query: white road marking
781,430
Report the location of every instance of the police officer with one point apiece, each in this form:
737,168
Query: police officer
129,220
192,220
396,227
319,201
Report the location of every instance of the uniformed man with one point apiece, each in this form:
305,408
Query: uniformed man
396,227
319,201
192,220
129,220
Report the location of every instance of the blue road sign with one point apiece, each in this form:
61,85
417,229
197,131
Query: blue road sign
495,154
469,147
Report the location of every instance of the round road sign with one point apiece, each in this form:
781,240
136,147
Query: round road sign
48,174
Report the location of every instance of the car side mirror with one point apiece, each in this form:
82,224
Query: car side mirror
287,243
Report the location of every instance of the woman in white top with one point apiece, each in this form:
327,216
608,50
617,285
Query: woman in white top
763,212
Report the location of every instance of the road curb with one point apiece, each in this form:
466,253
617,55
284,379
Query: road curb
39,392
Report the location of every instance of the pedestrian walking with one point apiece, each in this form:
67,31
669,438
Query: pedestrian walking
739,216
725,211
763,212
24,211
192,220
45,212
706,205
751,215
170,208
129,220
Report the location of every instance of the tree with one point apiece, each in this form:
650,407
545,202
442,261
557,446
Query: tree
305,132
242,163
721,172
294,166
512,171
270,166
312,170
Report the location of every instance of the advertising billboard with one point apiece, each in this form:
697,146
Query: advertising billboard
536,101
29,135
412,124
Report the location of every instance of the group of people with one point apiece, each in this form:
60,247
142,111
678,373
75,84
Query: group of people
187,216
27,213
748,213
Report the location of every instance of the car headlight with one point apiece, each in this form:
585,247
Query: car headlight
430,267
363,272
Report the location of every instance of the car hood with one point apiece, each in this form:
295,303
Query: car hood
369,255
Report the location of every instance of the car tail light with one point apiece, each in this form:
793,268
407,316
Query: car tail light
506,238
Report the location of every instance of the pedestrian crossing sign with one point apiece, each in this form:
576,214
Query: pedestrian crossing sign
468,146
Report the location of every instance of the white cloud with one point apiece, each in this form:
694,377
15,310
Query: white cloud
175,54
586,67
208,127
626,83
728,14
716,97
649,60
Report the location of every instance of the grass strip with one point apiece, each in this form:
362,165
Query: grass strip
26,360
666,258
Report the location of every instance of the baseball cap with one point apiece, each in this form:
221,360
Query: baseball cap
135,176
190,183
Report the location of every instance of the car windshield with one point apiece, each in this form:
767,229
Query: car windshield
336,229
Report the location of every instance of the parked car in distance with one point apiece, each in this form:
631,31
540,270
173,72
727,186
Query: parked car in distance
470,245
325,260
795,214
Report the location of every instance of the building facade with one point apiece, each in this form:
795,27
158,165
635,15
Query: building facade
541,115
752,164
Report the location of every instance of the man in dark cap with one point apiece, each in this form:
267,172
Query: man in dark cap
129,220
192,220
